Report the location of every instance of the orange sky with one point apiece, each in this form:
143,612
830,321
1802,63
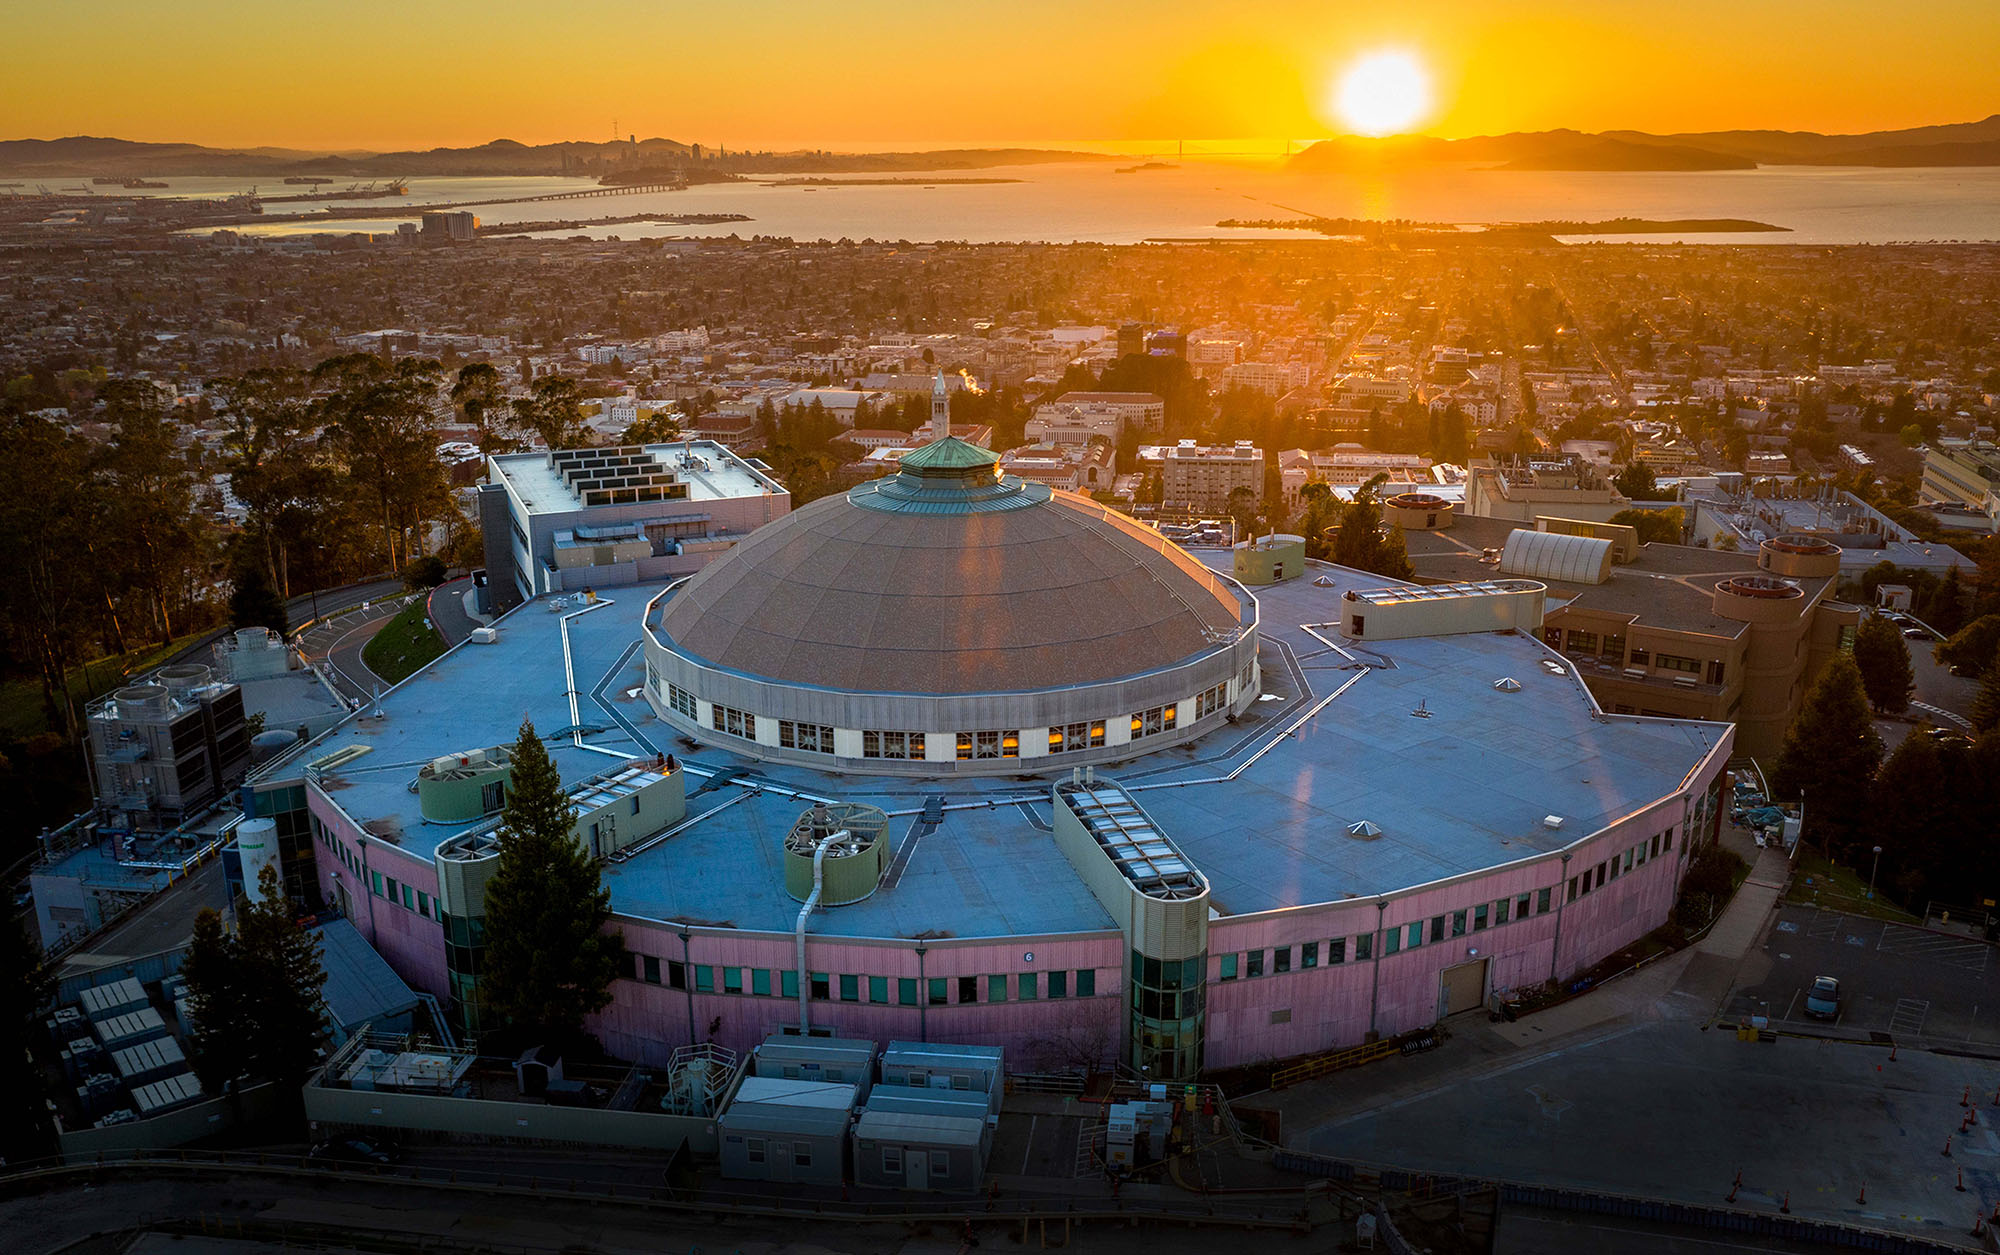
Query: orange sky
782,73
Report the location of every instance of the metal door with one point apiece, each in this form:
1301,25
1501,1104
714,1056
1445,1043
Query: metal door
781,1161
1462,988
917,1171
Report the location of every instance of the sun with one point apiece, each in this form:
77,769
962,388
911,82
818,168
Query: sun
1383,93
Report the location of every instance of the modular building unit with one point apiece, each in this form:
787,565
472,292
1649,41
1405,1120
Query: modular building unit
131,1028
165,1094
946,1066
149,1061
115,998
838,1059
900,1150
787,1131
929,1102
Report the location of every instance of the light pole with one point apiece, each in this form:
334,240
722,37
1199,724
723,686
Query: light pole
1871,872
923,996
1562,900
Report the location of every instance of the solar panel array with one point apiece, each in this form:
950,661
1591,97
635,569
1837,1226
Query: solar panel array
1140,851
616,476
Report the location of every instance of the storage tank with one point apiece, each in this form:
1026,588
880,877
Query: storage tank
268,745
257,844
854,858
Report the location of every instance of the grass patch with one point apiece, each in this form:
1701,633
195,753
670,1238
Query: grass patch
404,645
21,711
1817,882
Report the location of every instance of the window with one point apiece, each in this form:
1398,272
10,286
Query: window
821,986
996,989
1656,845
1582,642
1667,839
1542,897
677,974
908,745
1552,637
681,700
802,1155
1414,935
649,969
973,745
968,989
1208,701
1674,662
493,797
1025,984
409,898
1500,910
1437,928
1714,672
1360,625
1076,736
391,895
1613,648
938,991
940,1165
1628,860
732,980
815,738
788,983
1364,947
1227,968
760,981
1281,959
906,991
1309,954
1392,940
1479,920
1572,889
1086,982
423,904
1152,722
1336,951
1640,657
1521,906
1638,854
850,989
1254,963
1458,923
1600,875
734,722
892,1161
754,1149
704,979
1059,984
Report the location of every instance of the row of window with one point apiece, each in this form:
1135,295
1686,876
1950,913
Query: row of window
936,991
681,700
892,745
1618,864
1076,736
973,745
410,899
1150,722
735,722
1610,648
1395,938
816,738
1209,701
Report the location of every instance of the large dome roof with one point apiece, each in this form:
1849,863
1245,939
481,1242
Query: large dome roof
950,578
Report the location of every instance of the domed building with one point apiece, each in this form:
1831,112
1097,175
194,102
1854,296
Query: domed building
951,616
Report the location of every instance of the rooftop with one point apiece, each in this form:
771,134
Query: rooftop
710,471
1333,743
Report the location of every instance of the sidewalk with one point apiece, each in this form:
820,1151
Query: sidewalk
1711,970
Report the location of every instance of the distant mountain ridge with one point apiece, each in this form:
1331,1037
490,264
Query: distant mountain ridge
79,155
1954,144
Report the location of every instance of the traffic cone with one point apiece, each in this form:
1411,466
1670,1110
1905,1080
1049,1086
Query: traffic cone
1947,1144
1965,1100
1785,1208
1732,1195
1892,1052
1960,1187
1965,1122
1861,1199
1978,1226
1996,1211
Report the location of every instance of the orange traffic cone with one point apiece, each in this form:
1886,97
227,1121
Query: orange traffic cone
1785,1208
1947,1143
1960,1187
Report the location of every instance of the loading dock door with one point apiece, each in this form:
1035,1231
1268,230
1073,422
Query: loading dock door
1462,988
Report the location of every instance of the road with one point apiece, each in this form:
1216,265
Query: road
165,923
447,610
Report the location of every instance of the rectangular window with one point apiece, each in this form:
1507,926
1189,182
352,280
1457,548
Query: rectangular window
802,1155
1086,982
1521,905
1582,642
815,738
878,989
1667,839
734,722
677,974
1542,897
1364,947
1638,854
940,1165
1479,918
1281,959
1336,951
902,745
975,745
1059,984
1026,985
391,895
1392,940
649,969
681,700
732,980
938,991
968,989
1458,923
1628,860
409,899
423,904
1414,935
788,983
906,991
892,1161
1656,845
1226,969
1076,736
1600,875
753,1149
996,989
1437,928
850,989
1309,954
1674,662
1640,657
1572,888
1500,910
760,981
704,979
1254,963
1208,701
1154,721
821,987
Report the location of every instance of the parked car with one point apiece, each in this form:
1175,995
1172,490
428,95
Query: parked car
1917,632
342,1152
1823,999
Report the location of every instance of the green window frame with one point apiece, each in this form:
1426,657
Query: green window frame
1059,983
996,989
1027,985
906,991
704,979
1392,940
938,991
375,883
878,989
760,981
788,983
732,980
1226,967
850,988
1086,982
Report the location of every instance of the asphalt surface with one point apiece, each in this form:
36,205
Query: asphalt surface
447,610
1912,984
165,923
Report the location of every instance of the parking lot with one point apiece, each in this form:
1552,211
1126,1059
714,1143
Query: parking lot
1908,983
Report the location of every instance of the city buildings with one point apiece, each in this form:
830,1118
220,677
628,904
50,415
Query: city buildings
591,518
1960,478
1200,479
1523,490
1076,417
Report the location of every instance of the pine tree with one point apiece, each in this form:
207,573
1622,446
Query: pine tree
1946,609
1830,753
215,1004
1884,662
283,984
25,1131
549,962
1359,542
1985,712
253,603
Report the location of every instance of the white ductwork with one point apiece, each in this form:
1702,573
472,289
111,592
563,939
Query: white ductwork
805,913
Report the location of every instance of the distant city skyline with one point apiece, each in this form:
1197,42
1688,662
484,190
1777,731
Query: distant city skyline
775,74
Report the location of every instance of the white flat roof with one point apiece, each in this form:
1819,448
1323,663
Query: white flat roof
711,472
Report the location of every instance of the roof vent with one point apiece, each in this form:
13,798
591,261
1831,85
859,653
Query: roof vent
1422,711
1553,667
1507,684
1363,829
1552,822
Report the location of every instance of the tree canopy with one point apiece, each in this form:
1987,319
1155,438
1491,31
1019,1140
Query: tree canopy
1655,527
1884,662
256,997
1361,543
1830,754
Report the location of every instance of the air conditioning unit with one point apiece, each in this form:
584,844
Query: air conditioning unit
1685,681
1635,673
485,635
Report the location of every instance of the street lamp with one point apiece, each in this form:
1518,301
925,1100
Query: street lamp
1871,873
923,996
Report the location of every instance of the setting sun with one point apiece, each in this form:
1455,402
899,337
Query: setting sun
1383,93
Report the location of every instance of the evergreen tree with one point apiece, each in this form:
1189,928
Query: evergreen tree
1830,753
215,1004
25,987
1359,542
1945,610
1917,801
549,962
1884,662
283,984
1985,712
253,602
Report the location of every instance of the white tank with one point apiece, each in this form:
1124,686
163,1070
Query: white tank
257,842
